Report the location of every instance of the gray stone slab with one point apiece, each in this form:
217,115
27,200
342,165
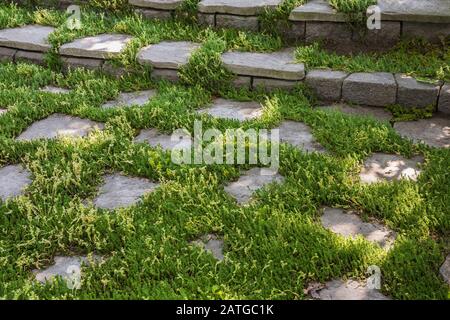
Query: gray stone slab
206,19
55,90
165,74
373,89
237,22
387,167
128,99
350,225
154,14
30,57
157,4
7,54
345,290
31,37
326,84
444,99
13,180
167,142
168,54
278,65
363,111
434,132
68,268
71,63
434,11
317,10
238,7
415,94
119,191
58,125
252,180
212,244
103,46
230,109
432,32
273,84
299,135
329,32
445,270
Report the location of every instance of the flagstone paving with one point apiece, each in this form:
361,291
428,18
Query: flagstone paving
68,268
364,111
445,270
243,189
344,290
128,99
58,125
212,244
119,191
103,46
153,137
230,109
167,54
56,90
299,135
13,180
239,7
387,167
349,224
31,37
434,132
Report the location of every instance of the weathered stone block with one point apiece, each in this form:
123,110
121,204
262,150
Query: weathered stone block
154,14
113,70
239,7
103,46
168,54
272,84
32,57
30,38
86,63
387,36
7,54
156,4
326,84
242,82
415,94
165,74
237,22
374,89
206,19
432,32
444,99
328,31
316,10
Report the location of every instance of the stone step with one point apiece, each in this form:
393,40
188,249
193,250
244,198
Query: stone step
157,4
29,38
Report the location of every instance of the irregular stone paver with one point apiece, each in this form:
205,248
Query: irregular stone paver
278,65
31,37
13,180
211,243
2,111
373,89
119,191
128,99
444,99
445,270
434,132
317,10
416,94
387,167
103,46
348,290
299,135
56,90
230,109
433,11
252,180
326,84
374,112
238,7
167,55
68,268
157,4
59,125
349,224
167,142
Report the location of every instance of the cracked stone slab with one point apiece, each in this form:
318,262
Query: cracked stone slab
157,4
251,181
445,270
153,137
416,94
212,244
103,46
230,109
13,180
277,65
299,135
317,10
387,167
348,224
119,191
167,54
434,132
345,290
128,99
56,90
31,37
364,111
238,7
58,125
434,11
68,268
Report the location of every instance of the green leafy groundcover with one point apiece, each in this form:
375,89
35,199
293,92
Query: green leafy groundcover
273,248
